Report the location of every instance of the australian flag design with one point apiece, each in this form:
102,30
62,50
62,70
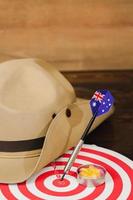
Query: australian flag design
101,102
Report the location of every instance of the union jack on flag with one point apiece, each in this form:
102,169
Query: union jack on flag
101,102
98,96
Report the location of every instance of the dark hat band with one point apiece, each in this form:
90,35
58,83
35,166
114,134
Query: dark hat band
21,145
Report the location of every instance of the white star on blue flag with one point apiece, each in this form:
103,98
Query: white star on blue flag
101,102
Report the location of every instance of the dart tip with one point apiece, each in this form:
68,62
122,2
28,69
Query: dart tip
63,176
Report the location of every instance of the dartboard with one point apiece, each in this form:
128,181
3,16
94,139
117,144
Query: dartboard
44,185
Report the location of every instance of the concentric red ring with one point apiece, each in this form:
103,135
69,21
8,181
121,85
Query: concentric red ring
6,192
117,179
122,164
41,187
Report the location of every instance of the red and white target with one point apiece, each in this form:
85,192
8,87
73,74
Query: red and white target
45,185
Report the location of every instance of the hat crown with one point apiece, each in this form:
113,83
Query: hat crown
30,92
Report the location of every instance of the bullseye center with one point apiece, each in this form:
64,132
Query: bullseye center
61,183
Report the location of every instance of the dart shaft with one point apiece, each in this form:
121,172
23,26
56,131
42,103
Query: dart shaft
73,157
78,147
88,127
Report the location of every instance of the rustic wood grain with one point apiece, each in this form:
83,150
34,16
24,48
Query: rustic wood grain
115,133
73,34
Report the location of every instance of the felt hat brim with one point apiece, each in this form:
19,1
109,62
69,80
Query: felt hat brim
63,133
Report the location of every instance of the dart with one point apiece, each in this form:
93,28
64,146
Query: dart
100,103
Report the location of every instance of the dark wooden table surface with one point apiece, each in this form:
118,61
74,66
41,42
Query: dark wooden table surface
115,133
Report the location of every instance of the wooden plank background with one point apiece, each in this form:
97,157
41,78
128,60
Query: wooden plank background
72,34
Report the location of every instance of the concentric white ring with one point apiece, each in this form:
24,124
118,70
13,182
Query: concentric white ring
119,172
32,188
48,182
